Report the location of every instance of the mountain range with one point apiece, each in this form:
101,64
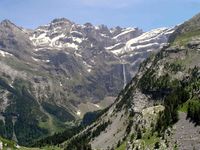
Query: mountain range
51,76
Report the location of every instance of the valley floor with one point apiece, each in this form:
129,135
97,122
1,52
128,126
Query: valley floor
45,148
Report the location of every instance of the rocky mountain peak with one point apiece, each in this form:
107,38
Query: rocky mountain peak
6,22
195,20
186,31
9,25
62,23
61,20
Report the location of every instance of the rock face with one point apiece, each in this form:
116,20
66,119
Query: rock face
51,74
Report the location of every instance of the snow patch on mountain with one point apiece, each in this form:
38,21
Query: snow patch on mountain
78,113
114,46
125,31
153,35
37,60
4,54
117,51
147,41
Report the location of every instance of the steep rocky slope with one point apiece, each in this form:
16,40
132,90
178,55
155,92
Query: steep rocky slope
142,115
52,75
185,133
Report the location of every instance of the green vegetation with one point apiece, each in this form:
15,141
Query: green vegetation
183,98
157,87
184,38
26,112
126,96
183,107
9,144
25,117
151,141
43,148
52,124
186,32
58,138
174,67
172,91
122,146
193,110
128,128
82,141
191,59
171,103
82,144
58,112
90,117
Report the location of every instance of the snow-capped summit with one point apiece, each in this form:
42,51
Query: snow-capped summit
148,41
156,35
62,33
54,35
130,44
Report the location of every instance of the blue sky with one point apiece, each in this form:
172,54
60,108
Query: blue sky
145,14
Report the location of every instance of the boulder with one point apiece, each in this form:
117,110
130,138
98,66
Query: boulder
193,44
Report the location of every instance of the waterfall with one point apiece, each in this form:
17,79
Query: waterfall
124,74
124,67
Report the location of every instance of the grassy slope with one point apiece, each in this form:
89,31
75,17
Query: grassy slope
183,39
8,144
44,148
